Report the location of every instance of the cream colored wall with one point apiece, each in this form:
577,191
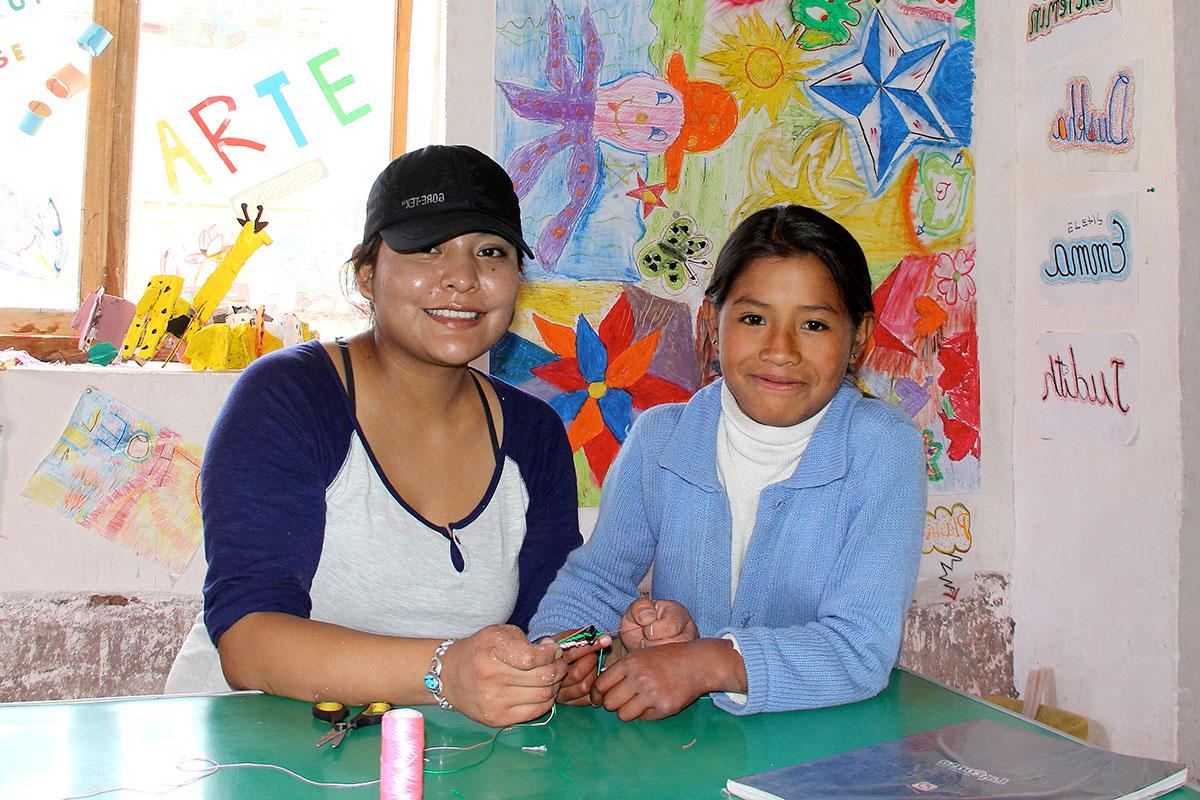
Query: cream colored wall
1096,571
1187,126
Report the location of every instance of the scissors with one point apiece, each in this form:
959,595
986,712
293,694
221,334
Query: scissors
336,713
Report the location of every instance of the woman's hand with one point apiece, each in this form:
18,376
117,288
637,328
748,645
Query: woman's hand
583,667
661,680
496,677
648,623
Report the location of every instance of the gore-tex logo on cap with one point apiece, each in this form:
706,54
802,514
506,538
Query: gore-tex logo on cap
423,200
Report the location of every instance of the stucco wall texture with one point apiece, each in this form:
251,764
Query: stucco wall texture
89,645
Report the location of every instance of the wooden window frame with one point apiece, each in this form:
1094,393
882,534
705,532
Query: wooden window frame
108,162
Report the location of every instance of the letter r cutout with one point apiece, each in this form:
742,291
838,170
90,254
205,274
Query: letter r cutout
215,138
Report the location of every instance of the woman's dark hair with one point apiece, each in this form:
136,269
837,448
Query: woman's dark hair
783,231
363,255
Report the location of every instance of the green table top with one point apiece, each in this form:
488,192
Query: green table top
53,750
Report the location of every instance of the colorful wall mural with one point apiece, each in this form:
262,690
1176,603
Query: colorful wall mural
640,132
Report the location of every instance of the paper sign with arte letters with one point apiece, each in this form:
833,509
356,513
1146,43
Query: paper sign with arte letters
1087,250
1088,388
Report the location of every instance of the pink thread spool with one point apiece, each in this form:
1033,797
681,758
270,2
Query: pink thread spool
402,755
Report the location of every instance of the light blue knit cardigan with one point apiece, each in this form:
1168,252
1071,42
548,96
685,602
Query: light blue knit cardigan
829,572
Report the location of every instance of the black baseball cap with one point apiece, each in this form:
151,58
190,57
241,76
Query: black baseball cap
441,191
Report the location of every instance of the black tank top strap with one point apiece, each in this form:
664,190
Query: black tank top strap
344,346
487,412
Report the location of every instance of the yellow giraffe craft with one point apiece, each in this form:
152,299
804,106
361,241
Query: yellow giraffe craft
250,238
159,304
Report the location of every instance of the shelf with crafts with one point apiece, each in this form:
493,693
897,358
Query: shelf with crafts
107,93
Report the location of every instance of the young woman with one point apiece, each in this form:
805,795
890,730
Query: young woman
781,509
380,521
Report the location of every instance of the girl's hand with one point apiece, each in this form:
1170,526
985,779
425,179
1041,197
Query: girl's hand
648,623
582,666
496,677
662,680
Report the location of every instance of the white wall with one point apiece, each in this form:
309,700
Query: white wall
1096,570
1187,124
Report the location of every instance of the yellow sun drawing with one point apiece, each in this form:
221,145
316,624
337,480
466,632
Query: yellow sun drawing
762,66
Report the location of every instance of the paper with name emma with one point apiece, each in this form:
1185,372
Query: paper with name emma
980,758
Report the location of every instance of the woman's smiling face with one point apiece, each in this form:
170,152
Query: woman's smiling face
448,304
785,338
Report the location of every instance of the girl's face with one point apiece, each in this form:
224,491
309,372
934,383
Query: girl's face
785,338
446,305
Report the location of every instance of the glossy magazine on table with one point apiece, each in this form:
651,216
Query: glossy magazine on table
980,758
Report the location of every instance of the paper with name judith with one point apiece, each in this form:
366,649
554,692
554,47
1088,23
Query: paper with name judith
1087,390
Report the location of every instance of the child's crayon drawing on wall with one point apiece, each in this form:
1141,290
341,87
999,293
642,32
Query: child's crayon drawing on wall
1047,15
1089,390
1090,117
126,477
639,133
947,535
1103,122
32,244
598,374
1090,250
1055,28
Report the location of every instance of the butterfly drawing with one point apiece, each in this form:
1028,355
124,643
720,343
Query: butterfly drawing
676,255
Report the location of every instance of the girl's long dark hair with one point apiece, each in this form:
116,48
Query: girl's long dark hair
791,230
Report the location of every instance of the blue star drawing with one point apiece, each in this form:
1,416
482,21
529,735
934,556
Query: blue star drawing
886,91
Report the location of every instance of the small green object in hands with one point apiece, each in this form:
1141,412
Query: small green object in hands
584,637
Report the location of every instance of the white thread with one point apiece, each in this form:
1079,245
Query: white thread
210,768
484,743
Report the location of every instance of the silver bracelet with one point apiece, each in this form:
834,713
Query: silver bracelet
433,678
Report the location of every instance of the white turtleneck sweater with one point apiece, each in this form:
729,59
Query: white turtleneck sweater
750,457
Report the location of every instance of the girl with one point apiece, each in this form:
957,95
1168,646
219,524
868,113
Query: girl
781,509
373,508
